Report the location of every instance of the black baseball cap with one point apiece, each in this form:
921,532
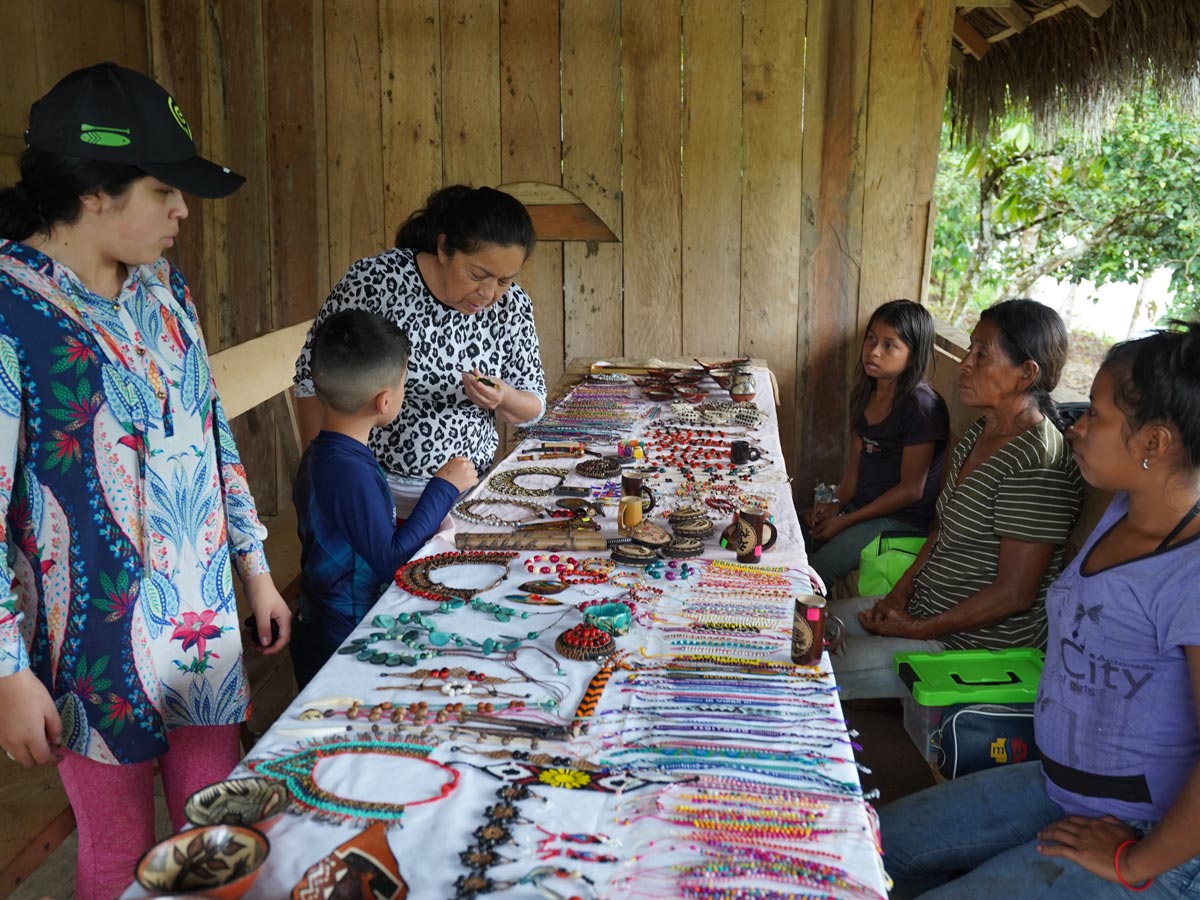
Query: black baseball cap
111,113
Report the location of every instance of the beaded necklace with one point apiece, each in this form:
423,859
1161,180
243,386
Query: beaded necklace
296,769
468,511
416,576
505,482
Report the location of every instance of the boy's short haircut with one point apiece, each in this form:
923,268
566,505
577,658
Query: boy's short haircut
355,355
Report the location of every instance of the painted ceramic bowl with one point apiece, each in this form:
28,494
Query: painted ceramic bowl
238,801
689,393
722,377
217,861
658,394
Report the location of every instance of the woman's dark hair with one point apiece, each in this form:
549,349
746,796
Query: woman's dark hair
1158,380
469,218
50,187
913,323
1031,330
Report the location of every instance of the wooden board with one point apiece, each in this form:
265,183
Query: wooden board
650,48
531,136
831,239
591,103
177,35
411,65
294,45
904,115
712,182
773,86
471,92
354,139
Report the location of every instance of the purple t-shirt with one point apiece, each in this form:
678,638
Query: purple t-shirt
1115,699
918,420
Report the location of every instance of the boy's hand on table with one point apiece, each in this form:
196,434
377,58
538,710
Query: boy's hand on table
460,472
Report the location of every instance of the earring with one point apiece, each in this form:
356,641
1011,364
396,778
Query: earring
1146,463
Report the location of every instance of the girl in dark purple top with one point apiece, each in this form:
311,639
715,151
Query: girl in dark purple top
1113,806
897,448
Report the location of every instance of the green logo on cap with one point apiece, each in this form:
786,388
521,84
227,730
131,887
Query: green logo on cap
178,114
103,136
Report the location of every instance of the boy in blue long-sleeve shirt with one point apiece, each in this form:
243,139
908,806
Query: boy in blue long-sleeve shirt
351,544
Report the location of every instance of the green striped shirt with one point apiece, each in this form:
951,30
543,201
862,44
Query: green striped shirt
1029,490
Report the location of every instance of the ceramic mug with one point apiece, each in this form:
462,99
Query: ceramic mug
629,513
741,453
749,544
768,536
632,485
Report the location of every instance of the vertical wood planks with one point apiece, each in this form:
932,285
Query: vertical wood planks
650,47
531,144
910,65
295,82
179,62
471,92
247,308
411,47
773,81
712,180
591,99
353,140
839,36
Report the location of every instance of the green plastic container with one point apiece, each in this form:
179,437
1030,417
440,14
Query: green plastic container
939,680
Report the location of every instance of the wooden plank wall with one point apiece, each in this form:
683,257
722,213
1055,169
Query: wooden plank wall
767,165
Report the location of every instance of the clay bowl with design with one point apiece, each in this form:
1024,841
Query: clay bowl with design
657,394
687,376
238,801
690,393
217,861
723,377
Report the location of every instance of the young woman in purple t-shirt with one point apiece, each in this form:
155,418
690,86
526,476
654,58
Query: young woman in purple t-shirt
897,446
1113,805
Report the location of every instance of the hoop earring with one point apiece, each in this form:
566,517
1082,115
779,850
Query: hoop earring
1146,463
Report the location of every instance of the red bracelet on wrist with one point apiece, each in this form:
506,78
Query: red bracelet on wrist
1117,867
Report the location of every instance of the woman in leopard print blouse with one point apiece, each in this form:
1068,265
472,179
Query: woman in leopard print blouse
449,283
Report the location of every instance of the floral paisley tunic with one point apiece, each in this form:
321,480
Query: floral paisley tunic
123,507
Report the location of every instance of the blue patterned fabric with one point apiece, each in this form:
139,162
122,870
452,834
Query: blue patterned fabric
121,518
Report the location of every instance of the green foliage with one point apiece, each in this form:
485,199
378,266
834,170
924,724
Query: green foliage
1011,211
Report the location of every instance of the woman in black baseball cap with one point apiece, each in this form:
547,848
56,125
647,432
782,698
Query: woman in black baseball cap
125,504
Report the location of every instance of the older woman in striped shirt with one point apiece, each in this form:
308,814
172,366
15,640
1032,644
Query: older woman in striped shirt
1011,496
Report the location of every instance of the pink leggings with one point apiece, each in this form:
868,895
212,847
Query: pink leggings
114,805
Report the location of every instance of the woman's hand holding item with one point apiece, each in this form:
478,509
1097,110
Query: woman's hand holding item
30,727
268,606
485,391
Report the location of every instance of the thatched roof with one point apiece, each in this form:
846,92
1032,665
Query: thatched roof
1070,62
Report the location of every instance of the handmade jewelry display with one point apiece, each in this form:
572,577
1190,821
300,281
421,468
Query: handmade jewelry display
710,767
296,769
598,468
469,510
584,642
416,576
505,482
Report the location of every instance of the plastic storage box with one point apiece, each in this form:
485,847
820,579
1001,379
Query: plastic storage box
940,680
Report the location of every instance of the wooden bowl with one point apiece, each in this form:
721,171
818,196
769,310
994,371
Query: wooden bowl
217,861
238,801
